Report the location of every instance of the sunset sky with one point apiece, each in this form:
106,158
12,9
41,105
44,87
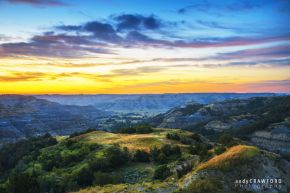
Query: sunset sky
144,46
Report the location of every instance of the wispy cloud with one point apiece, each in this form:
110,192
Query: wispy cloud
270,85
53,45
126,31
39,3
273,52
230,6
45,76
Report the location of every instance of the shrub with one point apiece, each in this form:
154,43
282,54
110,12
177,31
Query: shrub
10,154
85,177
101,179
196,137
116,157
165,153
99,164
81,133
141,156
162,172
23,183
208,185
219,150
139,129
227,140
173,136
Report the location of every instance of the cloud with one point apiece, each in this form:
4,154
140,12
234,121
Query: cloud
213,24
137,71
230,6
270,85
51,45
38,2
102,31
274,52
135,21
243,5
103,36
127,31
109,31
203,6
21,76
4,37
42,76
138,38
228,41
272,63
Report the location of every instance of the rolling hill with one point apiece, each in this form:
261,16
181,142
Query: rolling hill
263,121
160,160
27,116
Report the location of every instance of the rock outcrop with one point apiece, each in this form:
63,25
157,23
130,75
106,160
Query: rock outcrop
275,138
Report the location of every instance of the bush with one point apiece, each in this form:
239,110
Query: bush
99,164
196,137
81,133
165,153
227,140
141,156
173,136
23,183
204,186
117,157
162,172
10,154
85,177
168,150
101,179
219,150
201,150
139,129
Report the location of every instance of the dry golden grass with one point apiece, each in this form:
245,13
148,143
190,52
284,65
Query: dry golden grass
231,157
132,141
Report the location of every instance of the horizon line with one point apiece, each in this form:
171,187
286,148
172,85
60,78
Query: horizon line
64,94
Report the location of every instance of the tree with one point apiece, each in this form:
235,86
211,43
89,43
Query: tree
162,172
227,140
23,183
155,153
85,177
116,156
141,156
196,137
101,178
219,149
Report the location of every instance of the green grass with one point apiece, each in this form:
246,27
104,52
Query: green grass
132,188
136,172
133,141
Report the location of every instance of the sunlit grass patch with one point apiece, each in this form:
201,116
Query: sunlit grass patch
233,156
60,138
132,141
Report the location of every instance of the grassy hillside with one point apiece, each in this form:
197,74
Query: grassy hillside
134,141
94,158
231,158
162,160
214,175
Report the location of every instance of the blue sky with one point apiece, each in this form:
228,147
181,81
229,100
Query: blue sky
266,17
152,39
